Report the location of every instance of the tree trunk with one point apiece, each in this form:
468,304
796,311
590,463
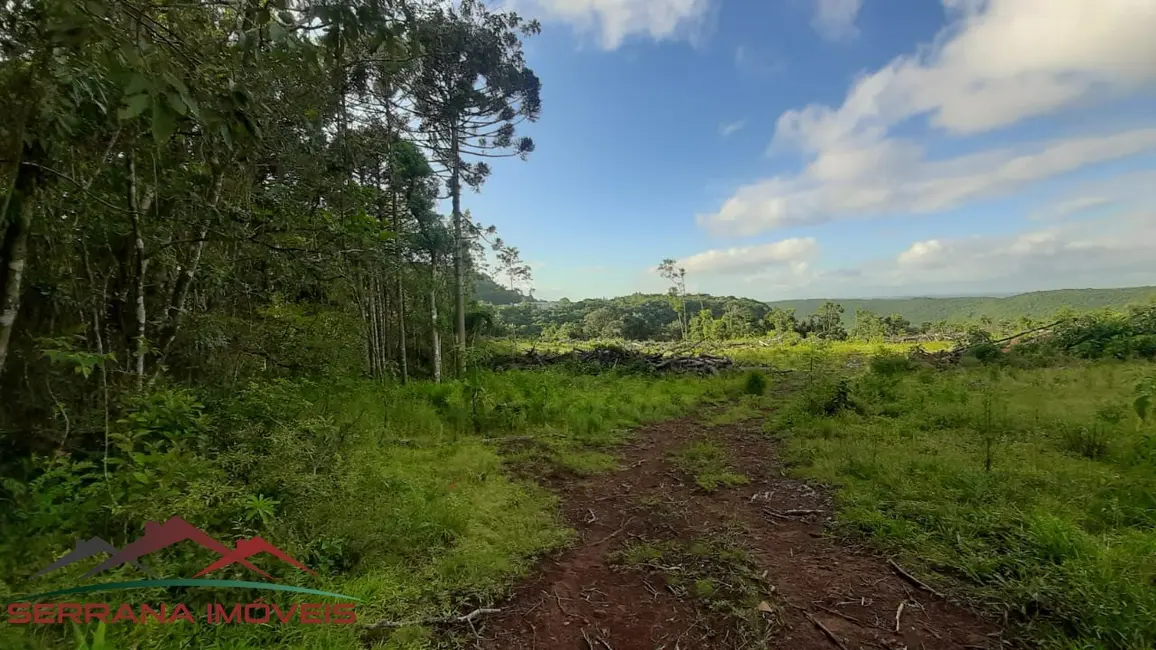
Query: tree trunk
185,280
15,255
435,336
398,258
141,269
459,254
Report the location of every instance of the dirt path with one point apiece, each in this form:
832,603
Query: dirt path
663,563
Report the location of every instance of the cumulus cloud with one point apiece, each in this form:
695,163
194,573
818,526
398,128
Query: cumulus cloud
997,63
788,253
894,176
1113,251
835,19
614,20
730,128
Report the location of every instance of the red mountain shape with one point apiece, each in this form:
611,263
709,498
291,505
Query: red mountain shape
158,536
248,548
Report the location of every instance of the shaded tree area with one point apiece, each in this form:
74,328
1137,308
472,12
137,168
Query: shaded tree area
214,191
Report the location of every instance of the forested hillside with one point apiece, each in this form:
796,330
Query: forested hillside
696,316
1037,304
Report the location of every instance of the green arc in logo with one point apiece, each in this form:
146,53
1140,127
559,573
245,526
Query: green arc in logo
145,584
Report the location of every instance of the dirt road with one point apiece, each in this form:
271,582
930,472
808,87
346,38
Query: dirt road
664,563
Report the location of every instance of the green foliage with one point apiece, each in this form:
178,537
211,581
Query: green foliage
98,637
754,383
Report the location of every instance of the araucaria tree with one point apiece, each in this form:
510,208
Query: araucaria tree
676,275
471,90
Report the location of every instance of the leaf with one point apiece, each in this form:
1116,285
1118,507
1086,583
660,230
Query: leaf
80,636
134,105
175,82
1142,405
164,122
98,636
138,84
177,103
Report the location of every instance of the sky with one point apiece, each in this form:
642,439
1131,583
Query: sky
835,148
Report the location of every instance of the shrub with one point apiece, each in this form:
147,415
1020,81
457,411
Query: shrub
987,353
890,364
755,383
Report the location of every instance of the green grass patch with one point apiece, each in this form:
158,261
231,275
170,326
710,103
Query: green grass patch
709,464
716,572
1031,488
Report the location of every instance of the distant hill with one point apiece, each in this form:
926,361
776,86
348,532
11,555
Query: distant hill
487,290
1035,305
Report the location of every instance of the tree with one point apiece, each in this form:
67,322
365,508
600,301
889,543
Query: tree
471,89
510,264
868,326
828,321
676,275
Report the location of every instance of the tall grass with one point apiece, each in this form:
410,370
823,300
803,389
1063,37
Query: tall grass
1034,491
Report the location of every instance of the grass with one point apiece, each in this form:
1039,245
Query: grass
709,464
717,573
400,496
1032,491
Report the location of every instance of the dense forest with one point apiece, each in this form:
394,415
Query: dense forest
703,317
191,188
215,207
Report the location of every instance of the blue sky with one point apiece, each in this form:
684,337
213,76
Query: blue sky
836,148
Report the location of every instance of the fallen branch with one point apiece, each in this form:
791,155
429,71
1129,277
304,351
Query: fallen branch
611,535
468,618
898,613
839,614
829,633
916,581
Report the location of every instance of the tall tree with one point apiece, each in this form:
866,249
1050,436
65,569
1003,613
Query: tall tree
471,90
676,275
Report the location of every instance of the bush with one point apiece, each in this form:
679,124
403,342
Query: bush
890,364
755,383
987,353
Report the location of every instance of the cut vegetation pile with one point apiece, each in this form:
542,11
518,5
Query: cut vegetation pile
611,357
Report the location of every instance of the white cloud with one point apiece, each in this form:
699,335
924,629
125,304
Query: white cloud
835,19
999,62
730,128
1072,206
788,253
893,176
1104,252
614,20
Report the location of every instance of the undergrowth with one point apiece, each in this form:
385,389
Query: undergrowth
399,496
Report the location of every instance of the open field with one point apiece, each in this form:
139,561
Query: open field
1033,491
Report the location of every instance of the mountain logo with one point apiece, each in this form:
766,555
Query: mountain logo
158,536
